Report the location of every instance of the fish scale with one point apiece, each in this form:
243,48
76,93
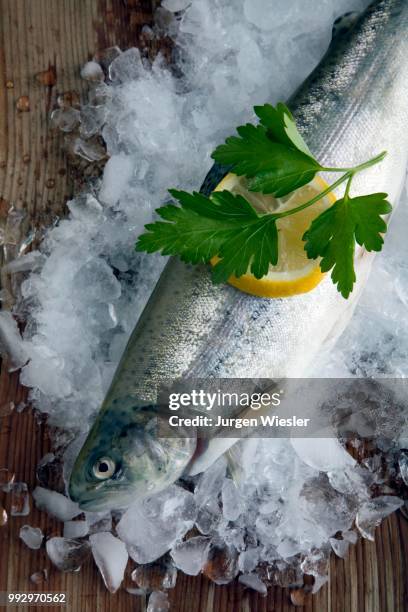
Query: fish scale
353,106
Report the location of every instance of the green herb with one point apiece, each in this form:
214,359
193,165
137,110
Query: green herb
271,167
273,155
223,225
332,235
281,126
275,159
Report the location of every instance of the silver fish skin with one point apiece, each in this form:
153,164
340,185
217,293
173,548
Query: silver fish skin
353,106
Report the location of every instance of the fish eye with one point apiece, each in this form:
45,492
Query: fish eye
104,468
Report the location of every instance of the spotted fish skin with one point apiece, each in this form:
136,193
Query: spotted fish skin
353,106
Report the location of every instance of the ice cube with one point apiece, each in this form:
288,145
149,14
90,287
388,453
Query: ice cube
12,346
373,512
231,500
92,71
165,22
50,473
86,209
133,591
253,581
156,576
92,120
150,527
39,577
127,66
208,517
191,555
20,500
221,566
90,149
325,454
340,547
316,564
31,261
403,467
354,482
105,57
158,602
66,119
248,559
98,277
99,521
329,506
75,529
118,172
211,481
31,536
286,576
350,536
111,557
66,554
55,504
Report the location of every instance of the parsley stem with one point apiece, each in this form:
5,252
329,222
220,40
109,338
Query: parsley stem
347,176
347,191
371,162
318,197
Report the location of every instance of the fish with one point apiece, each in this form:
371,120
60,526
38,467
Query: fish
352,106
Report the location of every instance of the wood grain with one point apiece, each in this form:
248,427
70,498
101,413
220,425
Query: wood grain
38,36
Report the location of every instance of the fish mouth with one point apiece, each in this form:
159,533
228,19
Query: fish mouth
92,504
101,501
88,502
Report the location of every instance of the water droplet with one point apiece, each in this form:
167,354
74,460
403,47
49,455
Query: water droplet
23,104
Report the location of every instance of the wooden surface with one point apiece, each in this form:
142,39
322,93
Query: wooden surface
36,37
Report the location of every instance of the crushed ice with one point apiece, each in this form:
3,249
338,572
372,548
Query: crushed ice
31,536
55,504
83,292
111,557
150,528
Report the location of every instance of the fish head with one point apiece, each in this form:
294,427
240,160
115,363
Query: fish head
129,453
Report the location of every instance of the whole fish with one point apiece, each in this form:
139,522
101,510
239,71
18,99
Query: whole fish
353,106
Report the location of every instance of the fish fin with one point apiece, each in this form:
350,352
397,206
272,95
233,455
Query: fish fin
234,460
344,23
206,456
209,450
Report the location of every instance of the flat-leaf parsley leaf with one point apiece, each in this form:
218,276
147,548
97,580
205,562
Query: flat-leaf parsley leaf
223,225
332,235
271,167
281,126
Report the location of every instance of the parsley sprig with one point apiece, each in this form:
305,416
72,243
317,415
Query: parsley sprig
275,160
224,224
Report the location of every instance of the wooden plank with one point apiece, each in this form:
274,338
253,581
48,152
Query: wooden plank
55,37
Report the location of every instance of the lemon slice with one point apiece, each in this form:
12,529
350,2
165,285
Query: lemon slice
294,272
